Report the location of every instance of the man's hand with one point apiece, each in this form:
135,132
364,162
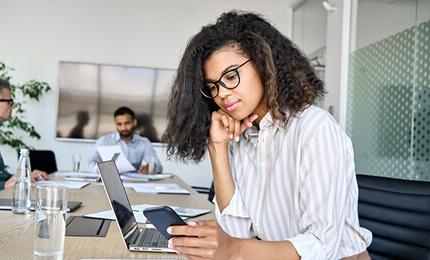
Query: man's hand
37,175
10,183
144,169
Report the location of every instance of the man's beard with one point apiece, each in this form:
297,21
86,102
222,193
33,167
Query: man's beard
125,134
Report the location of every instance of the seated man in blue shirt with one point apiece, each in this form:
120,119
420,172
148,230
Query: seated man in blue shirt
6,106
136,148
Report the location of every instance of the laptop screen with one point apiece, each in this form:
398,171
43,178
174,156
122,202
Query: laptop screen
118,198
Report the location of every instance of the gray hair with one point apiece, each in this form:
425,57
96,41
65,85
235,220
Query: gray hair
4,84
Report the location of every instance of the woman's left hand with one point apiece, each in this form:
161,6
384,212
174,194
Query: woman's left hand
202,240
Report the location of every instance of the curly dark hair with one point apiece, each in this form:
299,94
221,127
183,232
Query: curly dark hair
290,83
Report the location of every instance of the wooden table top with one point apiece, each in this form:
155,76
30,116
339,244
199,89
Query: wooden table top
18,231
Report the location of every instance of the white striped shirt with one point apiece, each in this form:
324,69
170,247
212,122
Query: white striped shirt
296,182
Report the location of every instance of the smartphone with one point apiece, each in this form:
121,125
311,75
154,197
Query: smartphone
163,217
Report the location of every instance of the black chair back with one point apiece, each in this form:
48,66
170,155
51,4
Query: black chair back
397,212
43,160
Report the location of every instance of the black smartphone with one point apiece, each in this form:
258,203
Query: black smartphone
163,217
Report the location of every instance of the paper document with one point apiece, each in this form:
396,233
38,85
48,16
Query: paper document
74,185
81,179
185,213
108,214
79,176
160,188
122,163
135,176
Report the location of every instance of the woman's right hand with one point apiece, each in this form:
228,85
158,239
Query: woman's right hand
225,128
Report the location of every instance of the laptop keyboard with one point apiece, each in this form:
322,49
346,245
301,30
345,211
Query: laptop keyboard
149,237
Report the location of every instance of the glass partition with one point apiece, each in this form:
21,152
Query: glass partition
388,111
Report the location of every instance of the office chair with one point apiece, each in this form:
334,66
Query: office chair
397,212
43,160
209,191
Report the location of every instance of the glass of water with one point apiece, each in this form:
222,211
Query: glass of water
76,162
51,214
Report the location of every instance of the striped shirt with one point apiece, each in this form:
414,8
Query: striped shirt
296,182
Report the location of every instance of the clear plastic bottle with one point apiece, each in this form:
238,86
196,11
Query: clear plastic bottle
21,201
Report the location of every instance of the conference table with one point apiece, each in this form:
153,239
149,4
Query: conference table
17,232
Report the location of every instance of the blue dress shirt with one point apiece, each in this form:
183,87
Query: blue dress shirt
138,149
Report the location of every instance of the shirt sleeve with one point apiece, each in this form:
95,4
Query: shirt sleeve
3,178
4,175
150,155
234,219
323,185
95,157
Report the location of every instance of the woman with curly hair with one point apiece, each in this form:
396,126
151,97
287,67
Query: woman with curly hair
283,169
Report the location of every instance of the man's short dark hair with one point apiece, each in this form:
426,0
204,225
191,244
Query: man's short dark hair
124,111
4,84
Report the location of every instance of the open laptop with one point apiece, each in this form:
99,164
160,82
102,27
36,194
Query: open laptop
135,238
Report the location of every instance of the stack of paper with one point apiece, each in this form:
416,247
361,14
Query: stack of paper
134,176
79,176
122,163
108,214
185,213
74,185
159,188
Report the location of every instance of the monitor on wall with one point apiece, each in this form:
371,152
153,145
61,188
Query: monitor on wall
90,93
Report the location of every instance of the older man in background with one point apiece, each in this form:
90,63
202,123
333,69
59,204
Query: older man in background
8,180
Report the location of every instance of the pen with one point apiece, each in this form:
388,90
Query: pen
174,193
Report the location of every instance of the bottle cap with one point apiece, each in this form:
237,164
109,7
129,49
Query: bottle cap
24,151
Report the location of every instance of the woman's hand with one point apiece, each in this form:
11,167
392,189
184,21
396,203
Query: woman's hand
225,128
202,240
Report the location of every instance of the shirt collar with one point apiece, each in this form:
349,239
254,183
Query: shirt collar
266,122
118,138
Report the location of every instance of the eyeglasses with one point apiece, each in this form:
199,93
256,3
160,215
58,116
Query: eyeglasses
10,102
229,80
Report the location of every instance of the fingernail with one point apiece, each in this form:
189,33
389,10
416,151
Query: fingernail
226,129
237,138
169,243
231,136
169,230
249,124
192,223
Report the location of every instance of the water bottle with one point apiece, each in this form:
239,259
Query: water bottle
21,201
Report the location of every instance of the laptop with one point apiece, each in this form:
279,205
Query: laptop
135,238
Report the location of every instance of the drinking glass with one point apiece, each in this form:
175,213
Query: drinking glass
76,162
51,214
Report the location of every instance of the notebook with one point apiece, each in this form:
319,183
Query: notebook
135,238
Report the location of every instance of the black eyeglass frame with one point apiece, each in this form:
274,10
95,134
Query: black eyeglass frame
219,81
9,101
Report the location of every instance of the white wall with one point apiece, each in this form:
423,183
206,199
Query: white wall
310,26
36,35
379,19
